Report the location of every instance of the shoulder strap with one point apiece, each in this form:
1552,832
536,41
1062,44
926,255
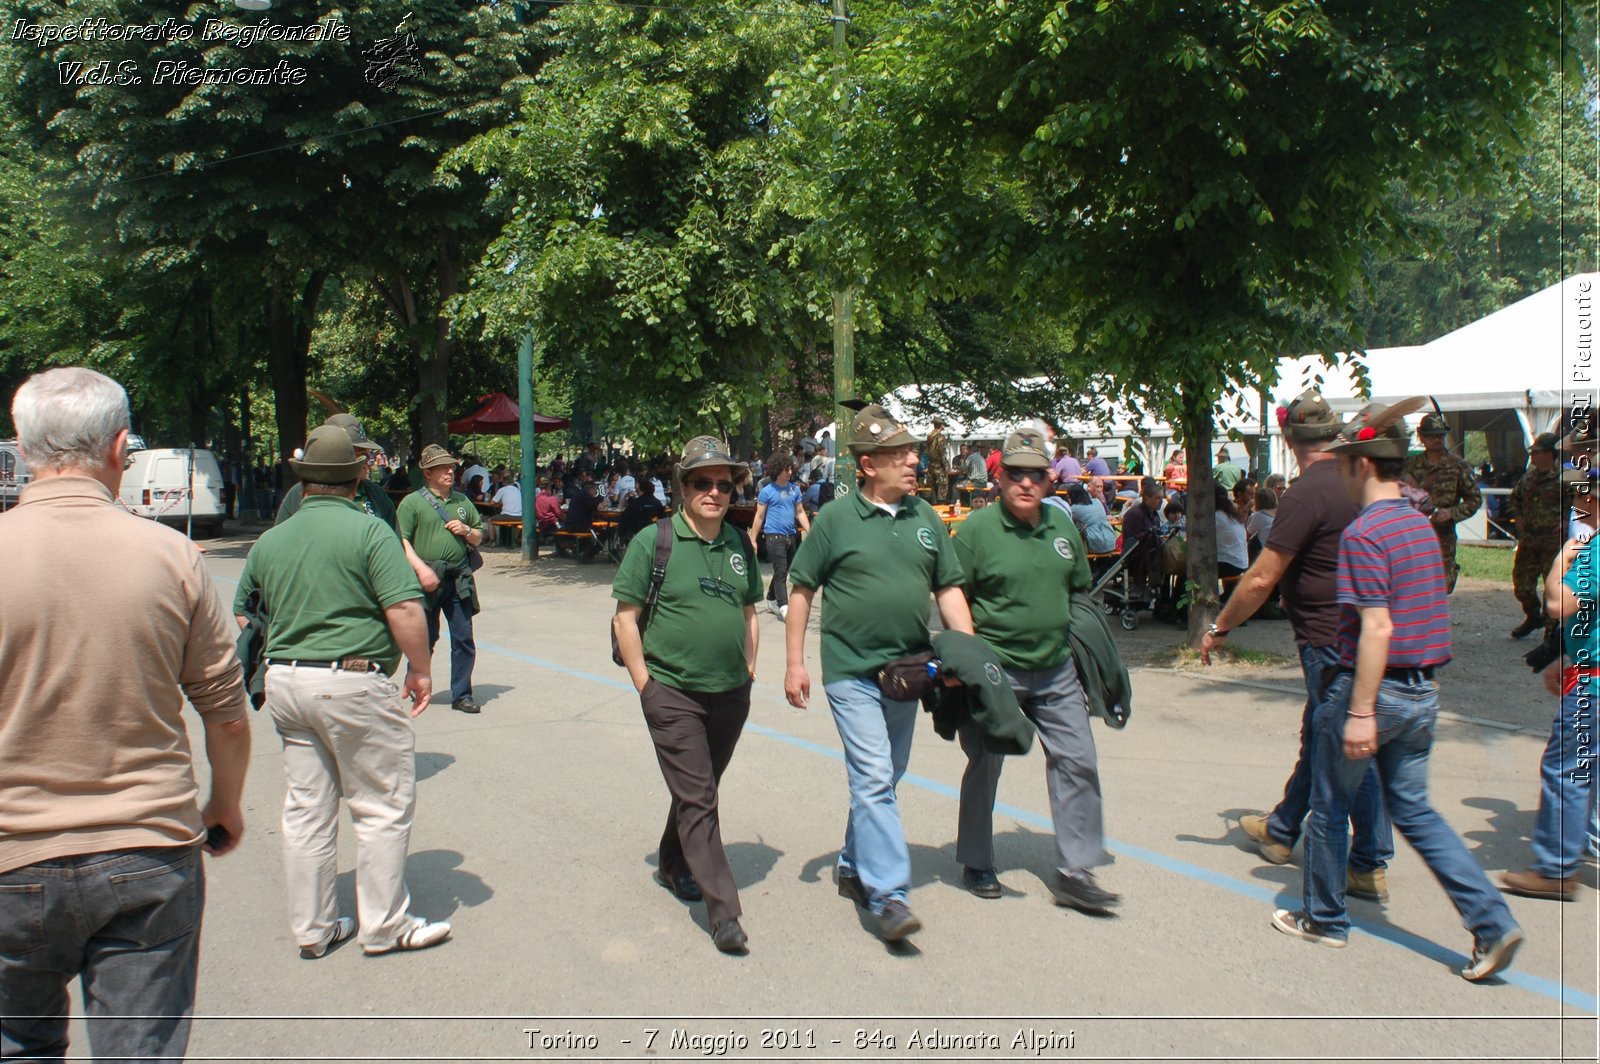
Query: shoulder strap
434,501
744,544
658,570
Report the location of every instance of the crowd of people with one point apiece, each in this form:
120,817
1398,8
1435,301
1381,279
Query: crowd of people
343,589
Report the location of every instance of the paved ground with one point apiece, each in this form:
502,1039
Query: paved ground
537,821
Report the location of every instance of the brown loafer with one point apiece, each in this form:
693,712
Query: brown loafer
1531,884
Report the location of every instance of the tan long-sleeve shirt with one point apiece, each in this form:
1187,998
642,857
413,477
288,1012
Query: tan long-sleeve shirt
107,621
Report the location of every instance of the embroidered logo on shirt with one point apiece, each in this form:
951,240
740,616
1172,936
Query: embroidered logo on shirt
991,671
1064,548
925,537
736,563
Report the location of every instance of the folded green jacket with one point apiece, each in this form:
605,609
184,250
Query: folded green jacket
984,695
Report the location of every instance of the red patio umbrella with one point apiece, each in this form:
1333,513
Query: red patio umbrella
499,416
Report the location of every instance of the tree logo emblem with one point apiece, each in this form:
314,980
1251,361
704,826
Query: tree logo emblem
991,672
736,563
1063,548
925,537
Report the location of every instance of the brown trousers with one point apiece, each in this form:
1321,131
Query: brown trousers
694,734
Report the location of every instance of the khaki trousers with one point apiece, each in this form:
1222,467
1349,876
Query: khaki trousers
345,735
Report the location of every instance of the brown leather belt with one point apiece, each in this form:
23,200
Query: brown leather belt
343,664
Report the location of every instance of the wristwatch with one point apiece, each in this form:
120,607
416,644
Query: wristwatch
1216,633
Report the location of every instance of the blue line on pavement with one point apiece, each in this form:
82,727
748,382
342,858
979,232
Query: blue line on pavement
1254,891
1549,988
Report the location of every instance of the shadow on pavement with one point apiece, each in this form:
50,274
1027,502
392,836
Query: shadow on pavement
439,885
1504,843
430,765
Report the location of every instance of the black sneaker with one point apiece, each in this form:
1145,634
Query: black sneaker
897,921
465,705
1490,956
981,881
1527,626
1079,890
850,886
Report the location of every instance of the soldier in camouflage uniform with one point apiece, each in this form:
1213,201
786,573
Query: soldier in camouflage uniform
1541,519
1451,484
938,450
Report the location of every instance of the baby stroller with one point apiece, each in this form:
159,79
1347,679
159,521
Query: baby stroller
1115,591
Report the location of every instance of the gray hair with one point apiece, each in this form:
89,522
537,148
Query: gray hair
68,417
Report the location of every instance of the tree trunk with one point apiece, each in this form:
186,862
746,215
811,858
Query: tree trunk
1201,516
289,324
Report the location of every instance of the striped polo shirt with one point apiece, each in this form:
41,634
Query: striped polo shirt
1389,556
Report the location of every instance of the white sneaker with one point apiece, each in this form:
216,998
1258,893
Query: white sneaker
420,935
343,928
783,612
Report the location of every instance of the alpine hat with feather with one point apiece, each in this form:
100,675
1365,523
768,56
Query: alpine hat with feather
1377,431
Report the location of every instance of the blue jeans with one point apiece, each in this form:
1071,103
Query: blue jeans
1566,788
463,650
1407,713
1373,846
127,922
876,733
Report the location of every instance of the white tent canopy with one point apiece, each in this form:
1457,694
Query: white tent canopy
1509,374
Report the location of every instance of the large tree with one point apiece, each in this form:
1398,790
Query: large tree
1198,186
325,163
639,246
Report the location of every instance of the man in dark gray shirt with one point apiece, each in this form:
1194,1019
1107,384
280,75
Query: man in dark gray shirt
1302,554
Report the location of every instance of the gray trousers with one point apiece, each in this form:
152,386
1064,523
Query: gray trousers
1053,700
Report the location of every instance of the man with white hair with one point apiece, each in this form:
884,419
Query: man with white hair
100,824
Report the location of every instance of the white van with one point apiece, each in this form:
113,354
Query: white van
158,485
13,473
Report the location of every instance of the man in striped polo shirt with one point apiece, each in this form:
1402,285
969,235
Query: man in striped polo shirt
1394,631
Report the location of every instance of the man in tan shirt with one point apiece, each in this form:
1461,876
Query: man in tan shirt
107,623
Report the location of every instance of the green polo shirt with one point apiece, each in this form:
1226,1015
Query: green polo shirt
325,579
369,496
694,640
878,571
1020,580
420,524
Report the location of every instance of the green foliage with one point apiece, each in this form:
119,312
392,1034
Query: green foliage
638,241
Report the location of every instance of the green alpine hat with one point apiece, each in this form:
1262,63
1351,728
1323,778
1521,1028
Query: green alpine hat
875,429
704,451
352,426
1309,418
328,457
1024,449
1377,431
434,455
1434,425
1545,441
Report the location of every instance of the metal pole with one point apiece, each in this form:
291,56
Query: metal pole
530,447
188,524
844,298
1264,441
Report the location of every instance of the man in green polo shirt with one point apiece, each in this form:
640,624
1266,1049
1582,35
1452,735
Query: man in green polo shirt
369,495
437,524
692,669
1023,561
879,552
342,605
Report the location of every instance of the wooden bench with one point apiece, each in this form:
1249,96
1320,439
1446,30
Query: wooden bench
571,544
504,525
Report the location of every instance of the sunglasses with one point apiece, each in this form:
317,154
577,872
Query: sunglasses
1032,476
705,484
719,589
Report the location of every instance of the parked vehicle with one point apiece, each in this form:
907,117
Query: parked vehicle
160,483
13,474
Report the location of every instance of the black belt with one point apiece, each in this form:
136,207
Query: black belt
343,664
1404,675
